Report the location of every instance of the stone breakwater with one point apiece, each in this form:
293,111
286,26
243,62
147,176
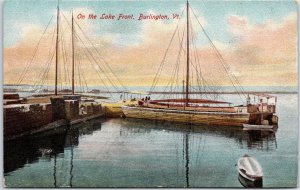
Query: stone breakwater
21,118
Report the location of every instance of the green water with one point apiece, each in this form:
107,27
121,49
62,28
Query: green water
137,153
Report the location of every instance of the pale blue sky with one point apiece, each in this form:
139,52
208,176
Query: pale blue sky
19,13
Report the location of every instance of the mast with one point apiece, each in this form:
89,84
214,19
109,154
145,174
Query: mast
56,59
187,55
73,64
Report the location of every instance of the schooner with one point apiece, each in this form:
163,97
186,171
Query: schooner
205,111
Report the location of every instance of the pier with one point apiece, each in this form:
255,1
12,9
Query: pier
37,114
27,116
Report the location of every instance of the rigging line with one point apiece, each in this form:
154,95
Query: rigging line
177,78
52,41
39,79
67,76
83,74
60,81
67,68
162,95
65,60
197,62
35,51
179,55
113,85
161,64
46,65
67,65
97,73
236,86
47,72
196,59
101,57
64,57
173,75
79,76
39,85
154,82
77,63
220,56
103,71
108,77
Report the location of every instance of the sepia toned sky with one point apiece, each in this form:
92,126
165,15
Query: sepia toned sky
257,39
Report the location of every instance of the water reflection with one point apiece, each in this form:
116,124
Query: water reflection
52,147
45,146
23,151
250,184
186,148
263,140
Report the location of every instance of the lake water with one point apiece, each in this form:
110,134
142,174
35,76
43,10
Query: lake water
136,153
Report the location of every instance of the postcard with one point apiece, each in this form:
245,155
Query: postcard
150,94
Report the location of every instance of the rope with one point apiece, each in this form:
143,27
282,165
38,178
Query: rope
25,71
164,57
222,60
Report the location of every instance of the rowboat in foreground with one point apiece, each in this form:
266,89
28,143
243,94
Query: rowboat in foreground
250,184
249,168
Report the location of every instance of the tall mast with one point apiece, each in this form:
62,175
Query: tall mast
187,54
73,64
56,59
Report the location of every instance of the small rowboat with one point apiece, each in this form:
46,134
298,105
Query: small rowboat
249,168
250,184
257,127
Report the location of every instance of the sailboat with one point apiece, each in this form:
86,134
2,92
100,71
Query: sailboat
200,110
72,57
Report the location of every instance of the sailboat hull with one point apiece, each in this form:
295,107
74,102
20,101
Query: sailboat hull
185,116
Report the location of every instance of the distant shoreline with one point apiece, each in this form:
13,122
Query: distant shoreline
158,92
245,92
229,91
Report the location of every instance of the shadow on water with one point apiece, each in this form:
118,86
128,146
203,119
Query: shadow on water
49,146
250,184
265,140
46,146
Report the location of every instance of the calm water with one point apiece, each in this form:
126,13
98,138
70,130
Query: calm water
135,153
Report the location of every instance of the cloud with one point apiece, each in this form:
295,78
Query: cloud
269,48
238,25
261,54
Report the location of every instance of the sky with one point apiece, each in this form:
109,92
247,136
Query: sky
257,39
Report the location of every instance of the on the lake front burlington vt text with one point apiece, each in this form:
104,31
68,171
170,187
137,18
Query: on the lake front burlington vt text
121,16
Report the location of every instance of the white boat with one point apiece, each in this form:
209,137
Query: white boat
257,127
249,168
